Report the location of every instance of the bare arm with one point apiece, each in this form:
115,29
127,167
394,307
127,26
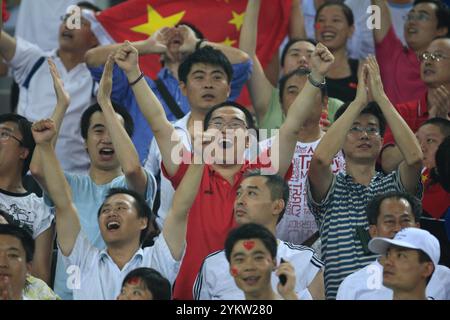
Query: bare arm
391,157
320,175
42,260
175,225
258,85
123,146
317,287
7,46
190,41
165,134
62,103
98,56
67,222
385,23
304,107
296,21
405,139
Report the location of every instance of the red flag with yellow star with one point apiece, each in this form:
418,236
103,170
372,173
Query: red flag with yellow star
218,20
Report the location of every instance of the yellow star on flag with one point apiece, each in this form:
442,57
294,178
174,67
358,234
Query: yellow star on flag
238,20
155,21
228,42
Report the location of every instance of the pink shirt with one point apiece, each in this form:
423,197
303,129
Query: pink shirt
400,70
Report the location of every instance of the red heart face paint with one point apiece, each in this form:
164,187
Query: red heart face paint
234,272
134,281
249,244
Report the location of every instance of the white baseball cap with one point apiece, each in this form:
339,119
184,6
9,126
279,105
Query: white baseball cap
412,238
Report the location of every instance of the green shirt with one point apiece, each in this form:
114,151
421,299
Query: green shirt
274,117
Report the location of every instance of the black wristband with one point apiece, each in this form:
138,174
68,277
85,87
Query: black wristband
137,80
316,84
199,43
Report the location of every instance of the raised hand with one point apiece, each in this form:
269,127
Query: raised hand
105,86
374,79
189,39
286,271
362,89
43,131
127,57
62,96
157,42
439,102
321,61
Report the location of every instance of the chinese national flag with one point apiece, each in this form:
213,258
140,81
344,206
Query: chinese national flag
219,20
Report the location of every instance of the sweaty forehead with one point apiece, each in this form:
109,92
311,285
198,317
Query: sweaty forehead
440,45
228,112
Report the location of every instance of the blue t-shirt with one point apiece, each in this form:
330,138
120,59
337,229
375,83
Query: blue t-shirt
123,95
87,198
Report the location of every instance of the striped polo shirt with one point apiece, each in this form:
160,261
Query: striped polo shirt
343,224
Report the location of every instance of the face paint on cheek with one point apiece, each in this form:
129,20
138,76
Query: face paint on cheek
249,244
317,26
134,281
234,272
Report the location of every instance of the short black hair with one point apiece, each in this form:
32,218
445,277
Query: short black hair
371,108
89,6
348,13
373,207
293,41
153,280
279,188
251,231
194,28
423,257
206,55
442,13
441,123
300,72
250,122
87,114
441,173
143,211
27,136
24,235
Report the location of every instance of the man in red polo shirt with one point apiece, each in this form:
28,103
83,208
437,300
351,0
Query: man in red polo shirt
434,103
211,215
399,65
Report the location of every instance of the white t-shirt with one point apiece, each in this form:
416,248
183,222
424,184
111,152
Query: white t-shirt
95,276
298,223
367,284
214,281
38,100
27,208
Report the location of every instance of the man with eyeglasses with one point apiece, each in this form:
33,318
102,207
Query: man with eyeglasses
434,103
399,65
37,99
16,149
211,215
338,201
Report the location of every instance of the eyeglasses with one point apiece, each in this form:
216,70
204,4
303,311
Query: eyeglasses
432,56
371,131
235,124
5,135
417,16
